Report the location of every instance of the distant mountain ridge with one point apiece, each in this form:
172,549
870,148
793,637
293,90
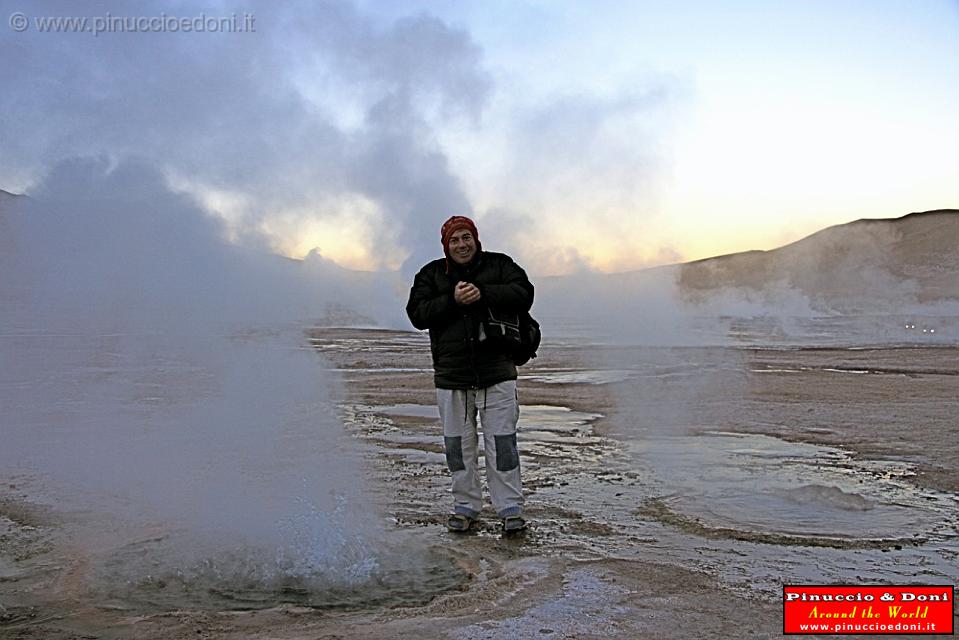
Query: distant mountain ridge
861,264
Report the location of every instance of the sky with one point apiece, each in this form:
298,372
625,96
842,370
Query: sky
599,136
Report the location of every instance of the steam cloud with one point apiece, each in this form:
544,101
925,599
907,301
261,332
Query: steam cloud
156,374
249,118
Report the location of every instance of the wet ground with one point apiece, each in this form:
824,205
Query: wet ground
672,492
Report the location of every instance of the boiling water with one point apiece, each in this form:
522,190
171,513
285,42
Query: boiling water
767,489
204,471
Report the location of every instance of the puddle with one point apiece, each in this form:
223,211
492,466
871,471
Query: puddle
532,417
576,376
545,431
409,410
354,370
745,486
378,344
583,608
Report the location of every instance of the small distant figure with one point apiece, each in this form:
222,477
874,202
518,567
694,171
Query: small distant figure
452,296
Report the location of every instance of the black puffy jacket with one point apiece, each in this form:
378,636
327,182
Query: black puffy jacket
460,360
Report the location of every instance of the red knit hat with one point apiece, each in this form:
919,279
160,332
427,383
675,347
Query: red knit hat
454,224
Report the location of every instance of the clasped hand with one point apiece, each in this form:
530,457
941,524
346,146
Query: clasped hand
466,293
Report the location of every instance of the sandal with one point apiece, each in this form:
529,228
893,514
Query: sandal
513,524
458,523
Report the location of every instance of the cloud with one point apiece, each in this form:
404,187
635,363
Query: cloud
255,118
586,168
102,244
330,113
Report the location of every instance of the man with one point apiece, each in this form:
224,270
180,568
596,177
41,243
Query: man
473,374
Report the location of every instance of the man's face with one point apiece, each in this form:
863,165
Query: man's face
462,246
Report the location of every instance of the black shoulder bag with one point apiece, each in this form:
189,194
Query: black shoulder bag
519,333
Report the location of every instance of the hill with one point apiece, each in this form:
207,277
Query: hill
862,265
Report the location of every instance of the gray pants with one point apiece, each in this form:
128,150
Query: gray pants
498,410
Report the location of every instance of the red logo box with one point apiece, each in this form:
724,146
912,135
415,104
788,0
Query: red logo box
869,609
